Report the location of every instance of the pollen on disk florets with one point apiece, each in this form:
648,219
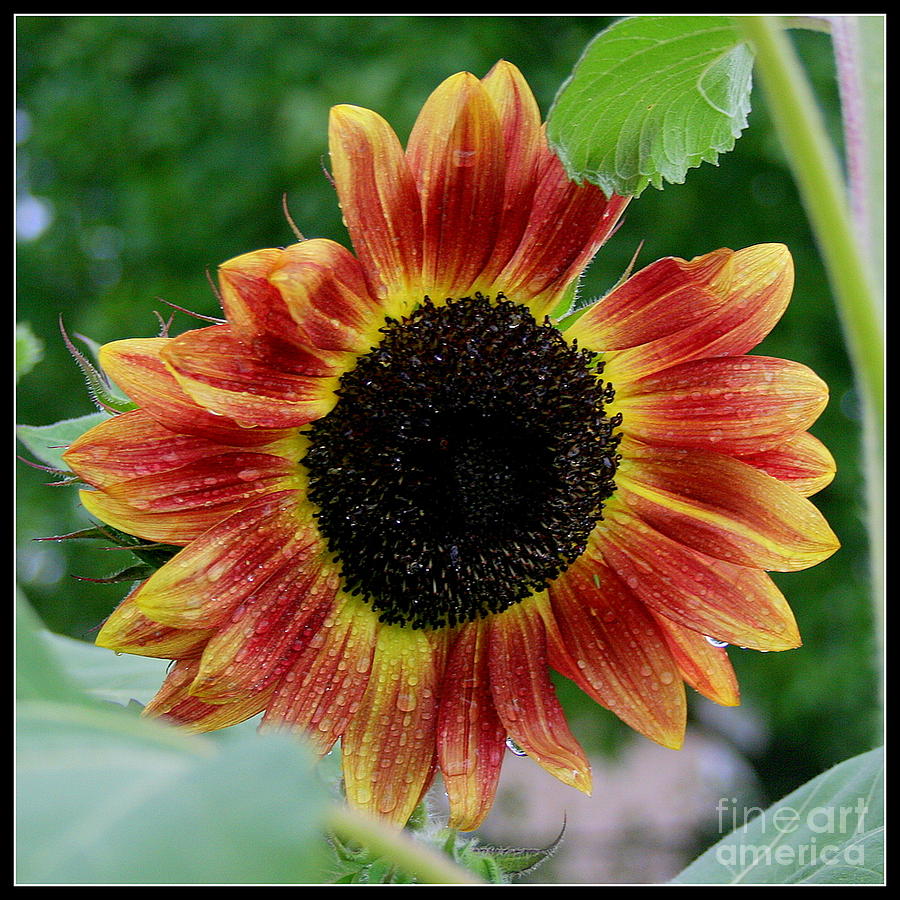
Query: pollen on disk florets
465,463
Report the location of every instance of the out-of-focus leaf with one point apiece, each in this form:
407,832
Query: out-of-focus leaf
29,349
829,831
118,678
38,673
106,798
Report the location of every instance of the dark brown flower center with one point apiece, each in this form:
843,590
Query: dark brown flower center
465,464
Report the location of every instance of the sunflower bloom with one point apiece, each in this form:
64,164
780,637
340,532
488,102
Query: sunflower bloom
404,492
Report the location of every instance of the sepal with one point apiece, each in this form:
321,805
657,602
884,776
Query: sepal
98,385
151,555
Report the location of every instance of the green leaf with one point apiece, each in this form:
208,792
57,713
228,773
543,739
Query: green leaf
49,442
107,798
116,678
651,97
830,831
38,673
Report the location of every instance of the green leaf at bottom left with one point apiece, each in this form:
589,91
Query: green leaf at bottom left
106,798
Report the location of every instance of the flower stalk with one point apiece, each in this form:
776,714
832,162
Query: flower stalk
817,171
425,863
824,193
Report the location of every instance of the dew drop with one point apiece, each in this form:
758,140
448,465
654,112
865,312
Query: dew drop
406,701
514,748
716,643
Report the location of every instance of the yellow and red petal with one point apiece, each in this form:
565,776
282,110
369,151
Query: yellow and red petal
737,604
659,300
222,375
525,151
321,691
166,486
255,309
741,302
455,152
471,739
524,696
802,461
128,630
137,367
568,224
268,630
379,201
723,507
178,505
218,484
133,445
324,288
175,704
306,307
610,645
734,404
205,582
704,666
388,747
179,529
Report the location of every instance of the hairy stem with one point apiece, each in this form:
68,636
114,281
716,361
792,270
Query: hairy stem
412,856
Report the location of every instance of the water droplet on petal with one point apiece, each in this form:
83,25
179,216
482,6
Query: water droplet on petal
514,748
464,158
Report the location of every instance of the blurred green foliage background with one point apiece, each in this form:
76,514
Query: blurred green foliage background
150,149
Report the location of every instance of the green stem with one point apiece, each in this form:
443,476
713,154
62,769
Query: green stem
821,184
822,188
412,856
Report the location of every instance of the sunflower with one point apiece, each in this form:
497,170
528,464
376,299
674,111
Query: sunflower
405,487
